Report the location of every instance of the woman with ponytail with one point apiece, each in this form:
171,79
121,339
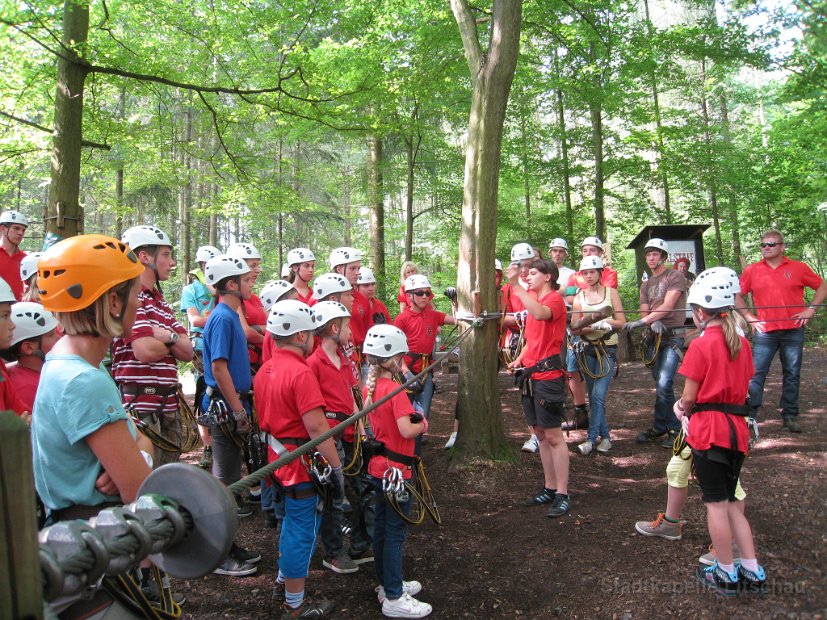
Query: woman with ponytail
396,425
713,410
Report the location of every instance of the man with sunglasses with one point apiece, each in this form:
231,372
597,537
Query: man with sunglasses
778,318
420,322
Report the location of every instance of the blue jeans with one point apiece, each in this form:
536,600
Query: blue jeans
663,372
789,343
422,403
598,388
388,537
297,540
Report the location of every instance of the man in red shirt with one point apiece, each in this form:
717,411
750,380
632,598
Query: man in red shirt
346,262
13,227
777,286
145,365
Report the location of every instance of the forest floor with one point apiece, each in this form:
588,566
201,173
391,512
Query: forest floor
494,558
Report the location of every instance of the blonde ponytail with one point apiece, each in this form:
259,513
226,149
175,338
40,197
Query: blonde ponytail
370,382
731,335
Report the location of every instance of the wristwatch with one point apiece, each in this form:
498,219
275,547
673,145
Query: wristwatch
173,338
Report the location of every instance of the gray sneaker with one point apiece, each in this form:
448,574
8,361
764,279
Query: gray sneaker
660,527
559,507
604,446
792,425
341,563
235,568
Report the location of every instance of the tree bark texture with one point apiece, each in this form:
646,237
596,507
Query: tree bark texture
492,72
64,215
376,192
596,114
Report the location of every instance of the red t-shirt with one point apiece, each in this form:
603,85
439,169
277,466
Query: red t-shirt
154,311
307,299
402,298
359,318
383,423
255,314
782,286
722,380
8,394
545,338
285,389
267,347
337,385
25,381
10,270
421,330
377,314
608,279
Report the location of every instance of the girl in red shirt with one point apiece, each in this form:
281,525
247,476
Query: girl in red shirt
718,367
396,425
302,263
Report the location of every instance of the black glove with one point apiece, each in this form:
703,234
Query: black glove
634,325
337,484
451,293
658,328
416,417
416,387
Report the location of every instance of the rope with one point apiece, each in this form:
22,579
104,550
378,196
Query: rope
256,477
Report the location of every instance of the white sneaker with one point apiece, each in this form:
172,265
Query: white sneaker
531,445
451,440
604,446
408,587
405,607
586,447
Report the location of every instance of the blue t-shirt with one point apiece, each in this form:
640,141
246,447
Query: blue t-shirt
74,399
198,296
224,339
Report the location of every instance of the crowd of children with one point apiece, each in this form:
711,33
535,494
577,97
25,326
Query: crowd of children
309,353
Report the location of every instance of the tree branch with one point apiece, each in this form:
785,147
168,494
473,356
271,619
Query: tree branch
470,39
23,121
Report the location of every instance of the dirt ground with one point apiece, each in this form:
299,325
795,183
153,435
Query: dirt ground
494,558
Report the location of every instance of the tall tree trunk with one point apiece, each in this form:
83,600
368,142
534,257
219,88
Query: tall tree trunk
492,72
659,146
280,188
596,115
564,155
64,215
376,204
712,170
732,204
409,198
185,199
346,204
526,173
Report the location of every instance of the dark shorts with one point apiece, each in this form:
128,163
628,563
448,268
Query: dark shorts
717,471
545,407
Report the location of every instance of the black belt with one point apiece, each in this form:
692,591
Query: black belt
336,415
406,460
294,493
136,389
728,408
552,362
214,392
80,511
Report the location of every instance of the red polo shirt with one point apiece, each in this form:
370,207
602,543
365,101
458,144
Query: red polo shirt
309,299
285,389
420,328
254,313
25,382
722,380
8,395
336,384
10,270
359,318
154,311
383,423
608,279
780,286
377,314
545,338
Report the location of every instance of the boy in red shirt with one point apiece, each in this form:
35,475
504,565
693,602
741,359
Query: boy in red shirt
35,333
377,311
8,395
290,406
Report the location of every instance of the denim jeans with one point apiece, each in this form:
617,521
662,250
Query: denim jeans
598,388
663,372
360,490
789,343
331,529
422,403
388,538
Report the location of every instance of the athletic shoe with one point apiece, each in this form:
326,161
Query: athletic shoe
546,496
234,568
341,563
660,527
669,439
586,448
308,609
243,555
270,519
792,425
255,495
206,459
754,433
244,509
531,444
361,557
451,441
752,581
405,606
648,435
711,557
411,588
559,507
153,595
718,580
604,446
580,422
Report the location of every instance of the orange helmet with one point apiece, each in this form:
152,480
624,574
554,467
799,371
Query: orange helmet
74,273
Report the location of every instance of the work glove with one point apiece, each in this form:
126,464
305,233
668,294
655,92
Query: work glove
658,328
242,422
417,386
602,326
634,325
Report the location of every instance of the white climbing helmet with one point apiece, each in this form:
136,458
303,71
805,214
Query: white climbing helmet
498,266
711,292
291,316
205,253
595,241
222,267
140,236
343,256
724,273
297,256
559,242
7,218
326,311
244,251
6,294
30,321
274,291
366,276
591,262
521,251
415,282
385,341
656,244
329,283
28,266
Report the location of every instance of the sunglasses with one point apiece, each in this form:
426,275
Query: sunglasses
770,244
421,293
